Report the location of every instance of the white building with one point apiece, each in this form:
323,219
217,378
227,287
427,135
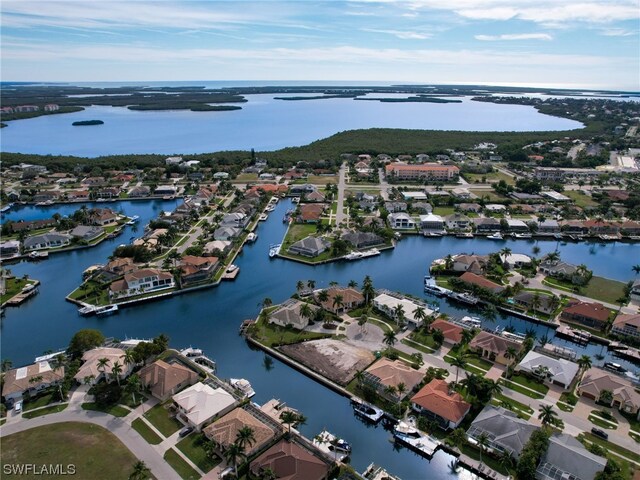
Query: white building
200,403
388,304
402,221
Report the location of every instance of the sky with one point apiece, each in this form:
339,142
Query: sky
587,44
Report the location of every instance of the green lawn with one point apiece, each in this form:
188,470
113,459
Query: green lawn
427,340
598,288
115,410
190,447
580,199
517,388
143,429
181,467
529,383
417,346
488,460
13,287
72,443
246,177
521,409
610,446
270,335
45,411
564,407
40,401
491,177
160,418
601,423
322,180
443,210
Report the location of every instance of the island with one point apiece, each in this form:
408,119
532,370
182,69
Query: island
84,123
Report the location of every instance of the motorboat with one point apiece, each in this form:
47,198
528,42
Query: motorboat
366,410
263,217
232,268
332,445
522,235
243,385
355,255
473,321
38,255
495,236
191,352
413,438
252,237
464,297
274,250
464,235
270,208
431,287
87,310
106,310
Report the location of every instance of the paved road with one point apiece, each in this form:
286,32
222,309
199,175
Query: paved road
384,185
340,215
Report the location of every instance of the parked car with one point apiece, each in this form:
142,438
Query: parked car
600,433
18,407
185,431
226,472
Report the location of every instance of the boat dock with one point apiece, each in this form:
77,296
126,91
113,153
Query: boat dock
625,351
331,445
230,273
28,291
408,435
577,336
480,468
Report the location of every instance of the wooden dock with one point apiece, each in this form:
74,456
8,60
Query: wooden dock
230,275
22,296
480,468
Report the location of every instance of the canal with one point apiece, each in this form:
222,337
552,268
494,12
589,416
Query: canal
209,319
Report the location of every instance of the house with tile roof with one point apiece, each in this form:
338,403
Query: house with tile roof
30,379
390,373
494,347
624,396
310,212
143,280
165,379
470,263
289,460
482,282
591,314
567,459
438,402
200,403
627,325
554,370
196,269
288,314
351,298
452,333
91,368
309,246
224,431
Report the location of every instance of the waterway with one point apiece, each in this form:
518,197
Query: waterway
298,123
209,319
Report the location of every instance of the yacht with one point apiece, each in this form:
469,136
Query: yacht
353,255
252,237
332,445
232,268
522,235
464,297
495,236
366,410
464,235
431,287
473,321
274,250
106,310
243,385
87,310
263,217
38,255
191,352
413,438
270,208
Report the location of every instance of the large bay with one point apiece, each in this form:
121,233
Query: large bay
263,123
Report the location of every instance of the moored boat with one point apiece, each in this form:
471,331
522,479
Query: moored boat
332,445
106,310
252,237
495,236
274,250
243,385
366,410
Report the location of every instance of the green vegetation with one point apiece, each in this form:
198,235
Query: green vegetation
443,211
525,381
13,286
490,177
181,467
297,232
45,411
143,429
79,444
83,123
274,335
192,447
115,410
518,388
487,459
42,400
160,418
596,420
523,411
598,288
580,198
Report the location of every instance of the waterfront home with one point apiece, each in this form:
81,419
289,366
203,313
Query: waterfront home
200,403
487,225
151,240
363,239
567,458
9,248
469,207
78,195
457,221
164,379
523,208
314,196
601,227
504,430
351,298
438,401
385,375
30,380
102,217
216,247
548,227
557,371
431,223
139,192
144,280
558,269
452,333
109,192
422,207
92,371
86,233
47,196
470,263
94,181
517,226
525,197
537,302
309,246
630,228
165,190
234,220
310,213
627,325
591,314
389,304
495,208
221,175
429,171
635,291
120,266
479,281
494,347
301,189
288,314
401,221
290,459
574,227
224,431
196,269
226,233
46,240
394,207
624,396
515,260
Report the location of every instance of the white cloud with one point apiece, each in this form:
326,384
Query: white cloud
404,35
618,32
516,36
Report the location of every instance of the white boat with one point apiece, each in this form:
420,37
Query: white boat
6,208
522,235
38,255
270,208
464,297
415,439
191,352
353,255
45,203
243,385
232,268
464,235
106,310
474,321
366,410
274,250
274,200
252,237
371,252
87,310
431,287
495,236
332,445
263,217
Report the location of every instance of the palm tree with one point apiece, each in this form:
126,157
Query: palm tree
507,460
299,286
510,353
390,338
536,250
6,365
102,364
483,442
362,321
390,390
289,418
535,302
553,257
129,357
547,415
338,302
419,314
401,388
448,262
490,312
305,311
542,341
352,284
585,362
267,302
458,362
232,454
268,474
323,296
311,284
244,437
398,312
133,386
116,370
636,269
467,335
505,252
367,289
140,471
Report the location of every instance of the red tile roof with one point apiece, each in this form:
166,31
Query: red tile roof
480,281
435,397
449,330
593,310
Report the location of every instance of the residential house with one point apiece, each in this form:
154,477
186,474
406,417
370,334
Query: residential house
141,191
389,304
515,260
469,207
438,401
557,268
144,280
452,333
537,302
504,430
351,298
457,221
196,269
9,248
548,227
301,189
120,266
226,233
495,208
429,171
102,217
394,207
224,431
630,228
574,227
30,379
46,196
109,192
557,371
494,347
624,396
166,379
363,239
216,247
422,207
601,227
288,313
470,263
290,460
591,314
567,458
401,221
78,195
487,225
220,175
384,374
200,403
165,190
517,226
479,281
634,294
46,240
366,201
92,371
234,220
314,196
309,246
431,223
310,213
87,233
627,325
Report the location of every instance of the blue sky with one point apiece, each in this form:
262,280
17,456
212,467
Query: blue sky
562,43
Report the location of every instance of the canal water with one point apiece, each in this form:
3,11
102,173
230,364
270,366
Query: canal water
209,319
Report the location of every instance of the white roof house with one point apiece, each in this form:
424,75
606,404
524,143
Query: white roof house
388,303
200,403
515,259
556,370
